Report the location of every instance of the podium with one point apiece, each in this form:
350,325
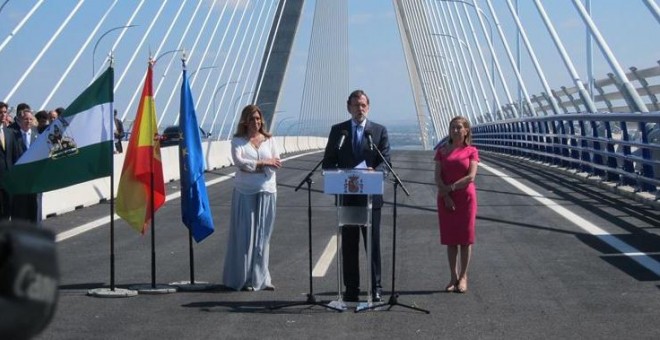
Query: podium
346,182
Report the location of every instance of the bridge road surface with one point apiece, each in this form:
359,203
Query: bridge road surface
534,273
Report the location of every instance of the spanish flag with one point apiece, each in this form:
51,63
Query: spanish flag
141,185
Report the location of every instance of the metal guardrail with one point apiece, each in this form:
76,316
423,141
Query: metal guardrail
617,147
608,96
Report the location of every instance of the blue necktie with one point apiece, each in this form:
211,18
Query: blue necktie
357,141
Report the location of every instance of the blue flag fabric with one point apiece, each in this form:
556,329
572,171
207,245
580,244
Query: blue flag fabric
195,207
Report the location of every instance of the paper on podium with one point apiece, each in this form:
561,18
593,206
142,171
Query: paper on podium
361,166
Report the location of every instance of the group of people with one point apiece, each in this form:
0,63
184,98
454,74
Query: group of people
16,135
254,199
350,144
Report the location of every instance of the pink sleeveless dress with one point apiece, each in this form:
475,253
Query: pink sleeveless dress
457,226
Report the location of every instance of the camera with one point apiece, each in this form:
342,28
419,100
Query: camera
29,279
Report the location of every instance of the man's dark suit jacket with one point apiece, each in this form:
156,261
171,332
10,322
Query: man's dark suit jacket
25,206
345,159
8,156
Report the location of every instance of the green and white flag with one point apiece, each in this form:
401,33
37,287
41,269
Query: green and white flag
75,148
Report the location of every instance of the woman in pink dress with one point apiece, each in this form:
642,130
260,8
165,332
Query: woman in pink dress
455,169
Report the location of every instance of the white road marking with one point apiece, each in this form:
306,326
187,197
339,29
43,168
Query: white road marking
106,219
625,249
321,267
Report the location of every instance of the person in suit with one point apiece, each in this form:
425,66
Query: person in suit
354,151
7,159
25,206
19,112
4,115
42,121
119,134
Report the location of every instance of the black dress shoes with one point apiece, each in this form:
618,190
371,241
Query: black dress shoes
352,295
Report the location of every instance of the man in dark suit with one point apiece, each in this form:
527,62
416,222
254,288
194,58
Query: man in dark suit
119,134
8,156
353,152
25,206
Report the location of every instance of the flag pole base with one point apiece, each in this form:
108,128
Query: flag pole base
186,286
110,293
154,290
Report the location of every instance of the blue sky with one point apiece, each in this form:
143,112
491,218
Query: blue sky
376,61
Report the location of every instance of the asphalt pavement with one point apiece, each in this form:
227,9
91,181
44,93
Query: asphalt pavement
534,273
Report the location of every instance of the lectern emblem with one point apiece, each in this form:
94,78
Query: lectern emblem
353,184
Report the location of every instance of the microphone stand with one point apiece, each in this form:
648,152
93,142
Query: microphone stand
394,297
311,299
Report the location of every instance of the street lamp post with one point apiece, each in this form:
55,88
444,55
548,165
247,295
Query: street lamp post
277,127
166,53
235,106
266,103
481,13
199,69
3,5
176,121
469,74
287,134
239,98
288,129
215,108
451,36
99,40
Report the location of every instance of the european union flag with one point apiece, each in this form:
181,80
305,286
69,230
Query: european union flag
195,207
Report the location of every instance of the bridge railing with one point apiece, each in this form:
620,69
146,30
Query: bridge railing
623,148
609,96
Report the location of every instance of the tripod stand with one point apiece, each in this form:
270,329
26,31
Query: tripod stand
394,298
311,299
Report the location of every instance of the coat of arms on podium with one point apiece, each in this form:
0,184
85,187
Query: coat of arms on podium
353,184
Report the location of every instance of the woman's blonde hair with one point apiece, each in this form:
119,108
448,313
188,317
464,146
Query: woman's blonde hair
466,125
242,128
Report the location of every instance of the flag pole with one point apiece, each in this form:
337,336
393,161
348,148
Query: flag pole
153,230
190,236
153,222
192,257
150,186
113,291
112,191
185,128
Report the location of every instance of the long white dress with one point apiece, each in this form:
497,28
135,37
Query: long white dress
253,206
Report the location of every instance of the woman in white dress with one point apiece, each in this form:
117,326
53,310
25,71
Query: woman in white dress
254,199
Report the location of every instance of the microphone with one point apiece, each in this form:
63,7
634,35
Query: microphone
344,133
371,142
